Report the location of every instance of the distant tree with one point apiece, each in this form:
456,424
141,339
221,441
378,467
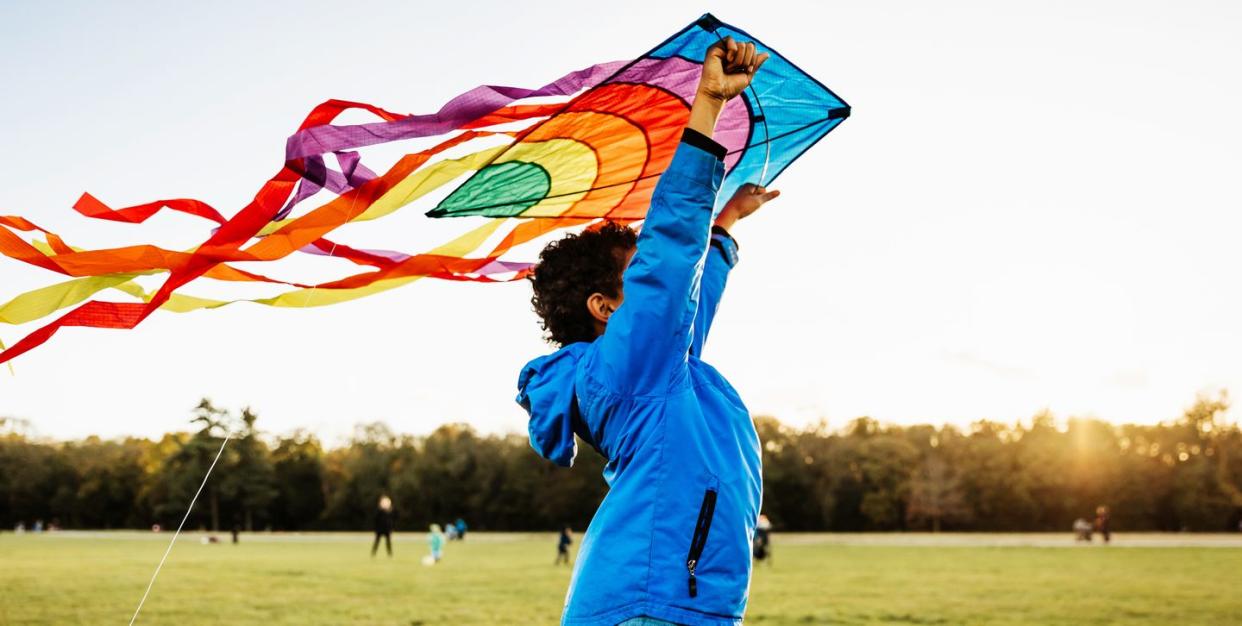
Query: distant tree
357,475
797,494
248,481
1201,489
559,496
298,471
884,463
32,474
108,479
867,475
183,471
935,494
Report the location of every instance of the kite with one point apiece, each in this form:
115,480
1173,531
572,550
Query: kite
585,148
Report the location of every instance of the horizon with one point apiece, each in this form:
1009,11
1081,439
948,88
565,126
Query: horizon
1016,219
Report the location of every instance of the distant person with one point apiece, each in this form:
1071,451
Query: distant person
1082,530
383,525
763,539
435,540
38,526
1102,522
460,525
562,545
20,528
450,532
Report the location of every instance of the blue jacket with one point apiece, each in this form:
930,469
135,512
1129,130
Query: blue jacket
672,538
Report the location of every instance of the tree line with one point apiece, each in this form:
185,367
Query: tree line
1180,475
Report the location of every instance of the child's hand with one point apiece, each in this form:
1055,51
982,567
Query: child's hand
745,201
728,69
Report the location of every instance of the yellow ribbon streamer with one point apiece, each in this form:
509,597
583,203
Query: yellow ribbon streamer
38,303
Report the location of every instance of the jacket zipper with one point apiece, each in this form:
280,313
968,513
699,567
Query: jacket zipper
699,540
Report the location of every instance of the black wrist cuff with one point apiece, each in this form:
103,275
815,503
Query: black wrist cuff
720,230
724,242
703,142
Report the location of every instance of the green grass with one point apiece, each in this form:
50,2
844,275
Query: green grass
816,579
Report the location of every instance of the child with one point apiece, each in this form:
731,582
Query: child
435,539
671,541
562,545
763,540
1102,522
383,525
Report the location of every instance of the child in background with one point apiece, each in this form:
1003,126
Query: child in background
1102,522
383,525
435,539
562,545
763,539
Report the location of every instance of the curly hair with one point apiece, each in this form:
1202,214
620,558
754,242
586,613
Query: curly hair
572,268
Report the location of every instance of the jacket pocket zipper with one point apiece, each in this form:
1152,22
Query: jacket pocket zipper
699,540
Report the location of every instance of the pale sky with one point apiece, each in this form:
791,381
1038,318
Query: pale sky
1034,206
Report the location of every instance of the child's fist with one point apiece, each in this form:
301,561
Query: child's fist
728,68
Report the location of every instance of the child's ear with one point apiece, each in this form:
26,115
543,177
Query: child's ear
599,307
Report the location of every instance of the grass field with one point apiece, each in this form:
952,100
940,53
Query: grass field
98,578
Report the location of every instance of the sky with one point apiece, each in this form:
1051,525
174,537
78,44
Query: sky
1035,206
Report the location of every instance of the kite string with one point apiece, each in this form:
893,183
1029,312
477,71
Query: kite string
315,286
227,435
352,203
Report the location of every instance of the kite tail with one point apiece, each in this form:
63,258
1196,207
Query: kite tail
361,195
592,150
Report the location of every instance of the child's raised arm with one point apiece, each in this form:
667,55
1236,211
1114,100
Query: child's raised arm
722,257
649,336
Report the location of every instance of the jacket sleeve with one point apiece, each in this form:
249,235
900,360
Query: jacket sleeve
648,338
721,258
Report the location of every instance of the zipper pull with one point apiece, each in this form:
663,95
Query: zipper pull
694,582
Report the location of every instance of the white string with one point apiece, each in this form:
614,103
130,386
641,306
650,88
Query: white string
227,436
332,251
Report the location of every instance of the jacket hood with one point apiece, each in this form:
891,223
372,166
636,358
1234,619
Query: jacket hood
546,391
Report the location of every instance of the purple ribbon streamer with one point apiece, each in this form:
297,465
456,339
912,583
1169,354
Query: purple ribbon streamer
463,109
